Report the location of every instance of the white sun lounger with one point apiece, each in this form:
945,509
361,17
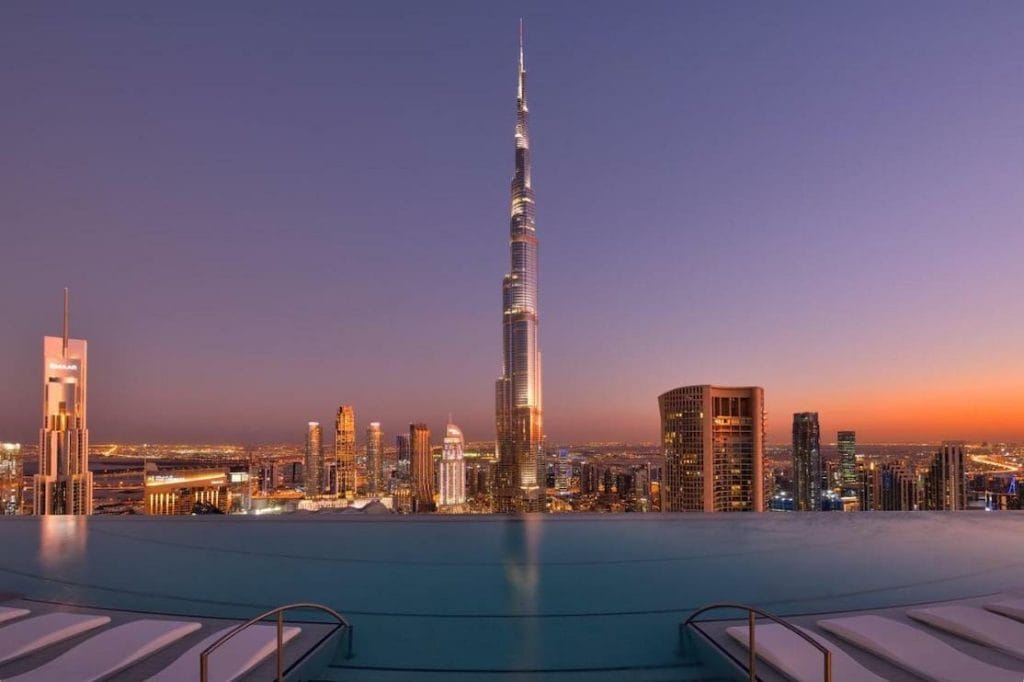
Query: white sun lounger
25,636
977,625
1014,608
797,659
10,613
110,651
914,650
232,660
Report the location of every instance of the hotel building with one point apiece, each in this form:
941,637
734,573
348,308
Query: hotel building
64,482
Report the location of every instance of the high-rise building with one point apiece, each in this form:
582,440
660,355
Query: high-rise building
807,466
453,469
345,450
313,467
713,439
422,468
887,486
375,481
403,456
946,482
64,482
846,444
519,414
11,477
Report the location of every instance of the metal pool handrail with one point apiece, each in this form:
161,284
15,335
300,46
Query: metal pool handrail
752,614
279,611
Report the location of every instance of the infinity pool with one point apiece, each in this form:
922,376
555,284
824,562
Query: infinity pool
513,593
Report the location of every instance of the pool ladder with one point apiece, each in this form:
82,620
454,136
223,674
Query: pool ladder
752,614
204,658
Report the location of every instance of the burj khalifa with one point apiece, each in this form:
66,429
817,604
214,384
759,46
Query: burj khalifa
519,416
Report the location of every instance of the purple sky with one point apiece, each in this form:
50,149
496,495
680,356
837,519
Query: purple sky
264,210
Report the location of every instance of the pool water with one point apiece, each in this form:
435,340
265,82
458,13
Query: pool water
513,593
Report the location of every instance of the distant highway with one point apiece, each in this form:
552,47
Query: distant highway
983,459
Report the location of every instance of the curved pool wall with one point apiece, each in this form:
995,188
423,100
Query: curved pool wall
513,593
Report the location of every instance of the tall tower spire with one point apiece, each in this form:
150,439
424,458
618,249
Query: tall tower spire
519,422
64,351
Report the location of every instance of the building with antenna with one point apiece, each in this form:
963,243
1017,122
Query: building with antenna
64,482
345,452
519,416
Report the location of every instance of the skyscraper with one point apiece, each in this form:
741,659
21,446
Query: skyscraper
453,469
846,444
945,486
313,467
713,438
64,482
345,450
375,459
403,456
519,420
422,467
807,469
11,473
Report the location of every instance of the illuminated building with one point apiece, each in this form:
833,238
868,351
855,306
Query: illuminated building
345,451
519,422
11,475
375,460
64,482
713,439
189,491
422,468
403,456
807,468
894,487
846,444
313,465
453,469
945,487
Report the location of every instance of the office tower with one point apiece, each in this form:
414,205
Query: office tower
403,456
713,439
313,466
453,469
64,482
375,482
519,421
946,481
807,467
422,468
563,471
345,451
11,475
846,444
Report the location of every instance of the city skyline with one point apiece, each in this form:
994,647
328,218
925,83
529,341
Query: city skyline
882,258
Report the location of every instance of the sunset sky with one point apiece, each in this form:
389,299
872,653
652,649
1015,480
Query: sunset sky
265,210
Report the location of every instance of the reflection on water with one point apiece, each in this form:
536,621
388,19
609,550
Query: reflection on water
521,558
61,540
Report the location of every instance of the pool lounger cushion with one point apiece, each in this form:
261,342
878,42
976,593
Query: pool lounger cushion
1014,608
110,651
25,636
233,659
788,653
976,624
914,650
10,613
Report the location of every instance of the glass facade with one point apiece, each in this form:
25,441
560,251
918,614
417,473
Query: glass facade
807,469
